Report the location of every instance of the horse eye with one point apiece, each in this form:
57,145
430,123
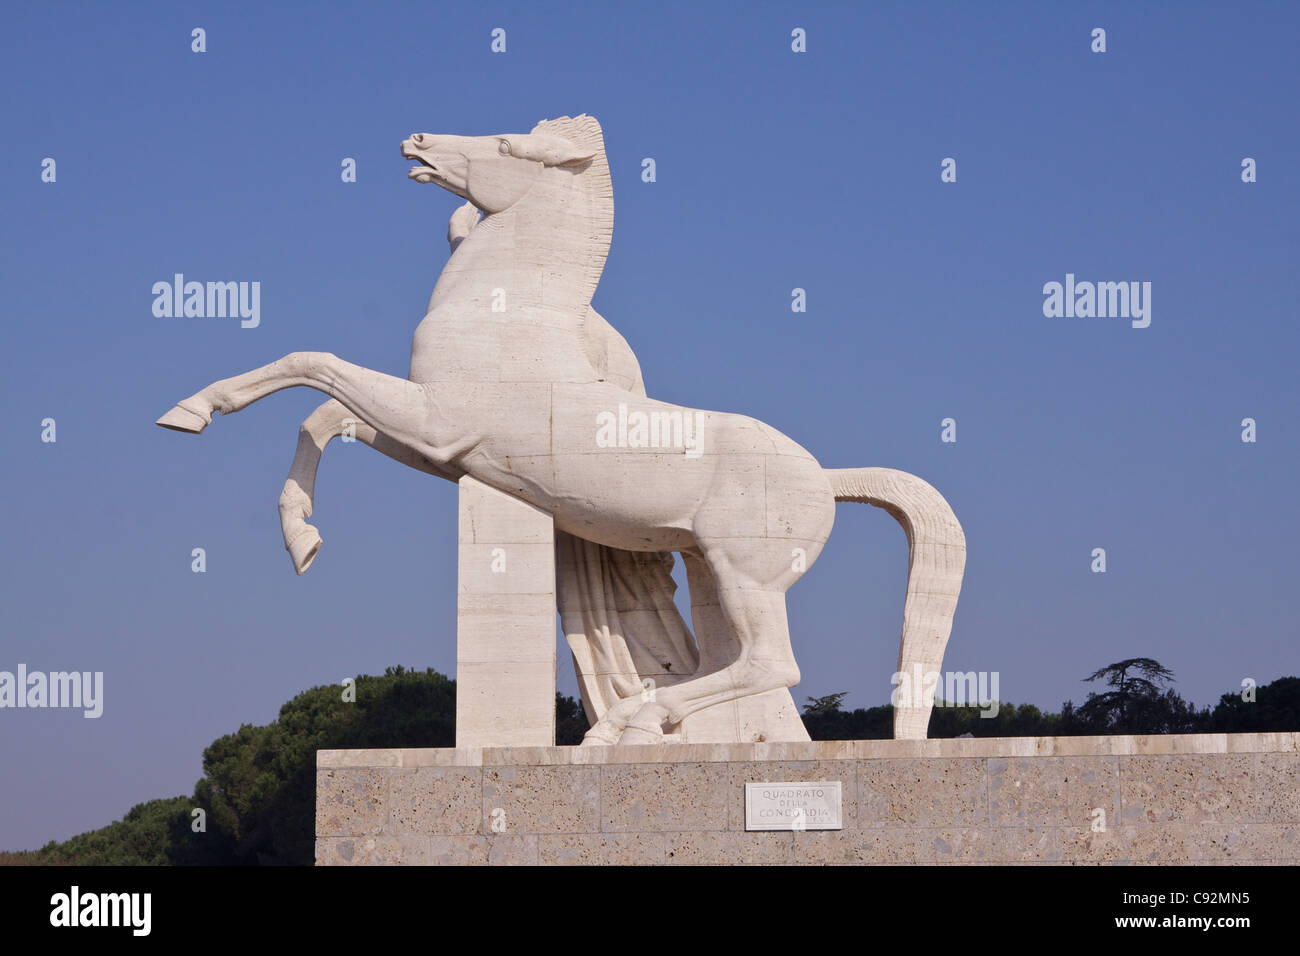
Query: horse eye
504,148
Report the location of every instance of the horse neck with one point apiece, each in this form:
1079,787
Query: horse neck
550,231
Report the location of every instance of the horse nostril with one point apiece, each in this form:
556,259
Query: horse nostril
418,139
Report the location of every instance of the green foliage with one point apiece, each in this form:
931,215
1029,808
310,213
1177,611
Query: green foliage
872,723
1139,708
830,704
259,784
570,721
877,723
1136,704
1276,707
1000,719
141,838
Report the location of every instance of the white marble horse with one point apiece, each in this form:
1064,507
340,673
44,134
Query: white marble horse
616,606
503,387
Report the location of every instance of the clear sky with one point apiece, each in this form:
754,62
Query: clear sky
776,170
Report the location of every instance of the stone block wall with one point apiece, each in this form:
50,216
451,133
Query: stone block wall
1190,799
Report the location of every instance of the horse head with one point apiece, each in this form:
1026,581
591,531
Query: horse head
492,172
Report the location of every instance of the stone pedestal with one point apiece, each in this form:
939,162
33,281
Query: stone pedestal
505,621
1188,799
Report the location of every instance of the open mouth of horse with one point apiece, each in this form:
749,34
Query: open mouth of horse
426,172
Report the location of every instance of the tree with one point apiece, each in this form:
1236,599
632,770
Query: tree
571,722
830,704
1135,700
258,790
1272,707
259,783
141,838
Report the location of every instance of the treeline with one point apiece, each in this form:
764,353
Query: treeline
256,800
1276,708
1137,700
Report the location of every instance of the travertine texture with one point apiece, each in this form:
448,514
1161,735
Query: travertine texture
1207,798
505,621
516,382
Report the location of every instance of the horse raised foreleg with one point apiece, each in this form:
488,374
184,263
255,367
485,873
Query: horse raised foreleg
407,412
327,422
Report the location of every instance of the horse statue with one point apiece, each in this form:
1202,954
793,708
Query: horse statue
516,381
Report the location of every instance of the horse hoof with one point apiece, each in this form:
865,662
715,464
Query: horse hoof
635,735
182,419
304,548
599,736
645,727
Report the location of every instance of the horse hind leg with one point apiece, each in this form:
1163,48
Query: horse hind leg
763,659
717,650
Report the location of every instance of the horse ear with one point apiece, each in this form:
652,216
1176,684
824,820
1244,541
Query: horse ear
575,155
551,150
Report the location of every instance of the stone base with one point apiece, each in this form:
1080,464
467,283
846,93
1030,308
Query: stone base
1188,799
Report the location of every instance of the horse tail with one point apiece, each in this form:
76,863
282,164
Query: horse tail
936,560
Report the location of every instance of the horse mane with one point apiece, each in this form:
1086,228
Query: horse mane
584,131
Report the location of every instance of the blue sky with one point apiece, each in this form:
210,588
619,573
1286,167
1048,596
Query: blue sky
775,170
